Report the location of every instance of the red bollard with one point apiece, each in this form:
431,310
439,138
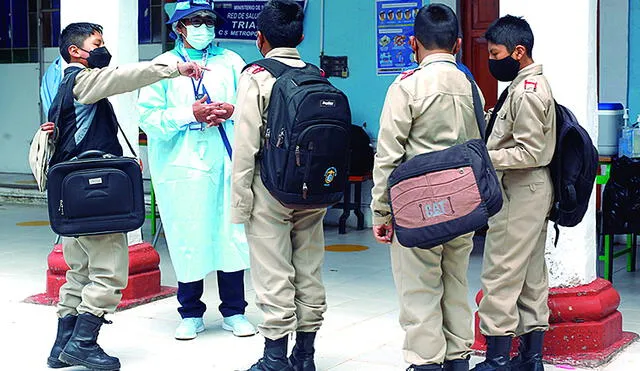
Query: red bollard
585,326
144,278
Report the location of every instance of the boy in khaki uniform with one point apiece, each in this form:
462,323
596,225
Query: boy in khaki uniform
428,109
99,265
521,145
286,245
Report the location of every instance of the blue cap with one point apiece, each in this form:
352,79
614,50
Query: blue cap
184,8
610,106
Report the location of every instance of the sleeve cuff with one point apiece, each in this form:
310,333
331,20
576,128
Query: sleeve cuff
493,156
184,115
240,215
172,70
379,220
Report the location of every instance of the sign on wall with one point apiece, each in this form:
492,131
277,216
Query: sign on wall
394,25
241,17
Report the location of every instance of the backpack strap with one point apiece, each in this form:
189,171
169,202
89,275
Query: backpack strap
556,166
277,68
69,77
494,114
477,107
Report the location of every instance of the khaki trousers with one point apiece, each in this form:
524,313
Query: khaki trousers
434,308
514,273
287,251
99,269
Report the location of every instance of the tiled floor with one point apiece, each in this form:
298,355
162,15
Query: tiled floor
361,331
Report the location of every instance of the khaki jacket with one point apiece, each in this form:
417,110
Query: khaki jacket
254,92
427,109
524,134
93,84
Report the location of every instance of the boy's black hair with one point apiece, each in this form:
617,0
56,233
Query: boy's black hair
280,21
436,27
76,34
511,31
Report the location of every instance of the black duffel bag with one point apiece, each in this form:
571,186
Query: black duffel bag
95,193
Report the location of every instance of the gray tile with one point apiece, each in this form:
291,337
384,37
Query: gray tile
360,332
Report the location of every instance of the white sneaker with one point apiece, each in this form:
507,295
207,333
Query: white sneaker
189,328
239,325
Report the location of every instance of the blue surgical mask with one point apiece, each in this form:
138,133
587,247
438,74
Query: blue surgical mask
200,37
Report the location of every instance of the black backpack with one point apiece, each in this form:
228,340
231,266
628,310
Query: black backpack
305,156
573,170
361,152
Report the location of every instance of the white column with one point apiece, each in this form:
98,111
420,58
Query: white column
119,18
565,35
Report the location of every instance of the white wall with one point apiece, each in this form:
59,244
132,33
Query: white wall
614,50
19,104
572,72
453,4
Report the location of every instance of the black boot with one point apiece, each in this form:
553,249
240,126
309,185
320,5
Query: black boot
302,355
274,358
65,329
529,353
431,367
497,359
82,349
456,365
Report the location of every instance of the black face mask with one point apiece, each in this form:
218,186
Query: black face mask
505,69
98,57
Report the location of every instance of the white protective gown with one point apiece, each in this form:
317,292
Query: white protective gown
190,168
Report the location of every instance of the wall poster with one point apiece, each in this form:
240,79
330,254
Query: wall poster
394,25
241,17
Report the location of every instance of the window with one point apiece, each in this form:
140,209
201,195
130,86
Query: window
19,27
151,20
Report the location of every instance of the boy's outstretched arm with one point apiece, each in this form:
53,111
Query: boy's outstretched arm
94,84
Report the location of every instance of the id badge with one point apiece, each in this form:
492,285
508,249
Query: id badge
199,126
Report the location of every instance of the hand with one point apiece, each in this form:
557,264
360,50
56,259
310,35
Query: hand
383,233
202,111
229,108
49,127
220,113
191,69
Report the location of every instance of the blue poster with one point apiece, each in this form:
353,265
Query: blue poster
395,20
241,17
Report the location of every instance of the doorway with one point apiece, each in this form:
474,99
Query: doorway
476,16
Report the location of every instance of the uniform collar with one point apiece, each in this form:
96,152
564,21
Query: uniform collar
438,57
76,64
73,65
283,53
531,70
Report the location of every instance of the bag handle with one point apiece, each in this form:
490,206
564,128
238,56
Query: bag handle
89,154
